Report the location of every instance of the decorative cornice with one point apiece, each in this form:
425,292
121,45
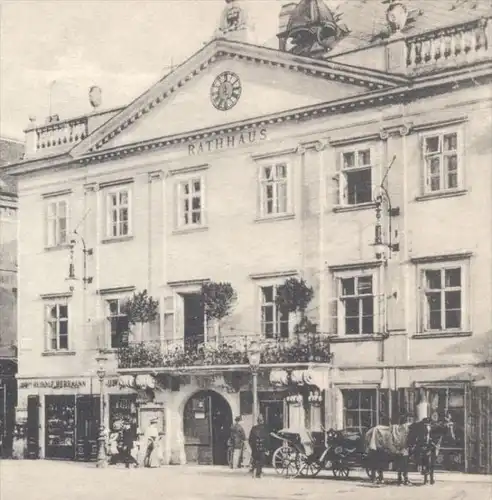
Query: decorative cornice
184,283
442,257
54,194
188,170
116,290
419,127
273,154
116,182
54,296
367,264
346,141
274,274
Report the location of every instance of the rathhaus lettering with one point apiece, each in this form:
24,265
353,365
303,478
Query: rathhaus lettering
227,142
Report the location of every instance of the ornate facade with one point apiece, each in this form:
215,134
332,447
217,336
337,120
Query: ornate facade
353,157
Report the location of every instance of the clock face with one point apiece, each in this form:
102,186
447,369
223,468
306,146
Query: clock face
225,91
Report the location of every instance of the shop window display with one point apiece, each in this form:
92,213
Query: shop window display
60,427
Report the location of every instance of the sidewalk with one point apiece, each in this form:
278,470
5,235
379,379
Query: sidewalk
355,474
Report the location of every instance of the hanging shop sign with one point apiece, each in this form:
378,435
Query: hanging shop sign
251,136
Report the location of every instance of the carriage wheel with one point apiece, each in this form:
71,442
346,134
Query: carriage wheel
308,469
284,461
341,471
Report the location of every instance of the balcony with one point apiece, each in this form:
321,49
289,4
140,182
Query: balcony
459,44
225,351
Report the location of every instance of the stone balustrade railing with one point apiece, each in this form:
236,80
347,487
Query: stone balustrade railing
56,134
450,46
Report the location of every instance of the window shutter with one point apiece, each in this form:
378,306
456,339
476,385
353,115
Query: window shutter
169,317
259,193
333,317
378,170
424,178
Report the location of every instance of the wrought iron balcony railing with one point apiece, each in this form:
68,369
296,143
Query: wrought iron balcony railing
226,351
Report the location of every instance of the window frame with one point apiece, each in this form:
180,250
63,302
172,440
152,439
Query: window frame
276,321
48,306
375,410
377,297
180,199
423,308
108,192
54,240
341,178
262,183
460,160
108,325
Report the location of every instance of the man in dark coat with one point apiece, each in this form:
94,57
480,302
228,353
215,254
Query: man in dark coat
258,441
237,439
127,443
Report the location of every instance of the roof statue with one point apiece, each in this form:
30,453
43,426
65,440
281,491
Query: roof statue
399,16
233,22
312,29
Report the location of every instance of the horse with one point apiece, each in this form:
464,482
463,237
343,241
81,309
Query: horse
385,444
396,443
427,450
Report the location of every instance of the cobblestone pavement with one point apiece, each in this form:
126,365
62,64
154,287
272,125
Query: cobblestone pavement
48,480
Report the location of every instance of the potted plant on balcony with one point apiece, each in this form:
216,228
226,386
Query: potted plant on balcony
218,301
141,309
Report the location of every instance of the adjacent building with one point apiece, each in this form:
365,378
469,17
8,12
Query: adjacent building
10,152
354,155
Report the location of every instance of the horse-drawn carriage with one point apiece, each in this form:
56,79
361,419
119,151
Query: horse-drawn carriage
305,453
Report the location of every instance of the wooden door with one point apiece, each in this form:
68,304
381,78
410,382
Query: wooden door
32,427
87,429
479,430
198,430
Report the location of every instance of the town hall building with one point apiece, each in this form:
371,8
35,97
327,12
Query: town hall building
352,159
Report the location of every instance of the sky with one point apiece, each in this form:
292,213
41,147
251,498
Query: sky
122,46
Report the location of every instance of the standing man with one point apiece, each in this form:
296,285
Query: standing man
258,441
150,438
237,439
128,441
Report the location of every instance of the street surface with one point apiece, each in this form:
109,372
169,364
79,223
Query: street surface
49,480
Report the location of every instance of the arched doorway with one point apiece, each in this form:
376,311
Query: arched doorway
207,419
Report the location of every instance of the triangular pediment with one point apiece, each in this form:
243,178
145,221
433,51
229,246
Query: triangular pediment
268,82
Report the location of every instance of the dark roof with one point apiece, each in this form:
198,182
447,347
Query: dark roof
11,151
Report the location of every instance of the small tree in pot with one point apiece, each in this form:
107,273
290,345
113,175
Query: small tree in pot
141,309
218,301
294,295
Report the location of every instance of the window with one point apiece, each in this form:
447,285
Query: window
356,179
274,190
442,298
56,223
441,162
359,409
117,322
57,326
190,203
356,298
274,319
118,215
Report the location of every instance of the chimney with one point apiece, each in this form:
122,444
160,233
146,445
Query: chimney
284,16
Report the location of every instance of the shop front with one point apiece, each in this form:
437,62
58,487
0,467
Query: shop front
63,415
366,399
199,407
